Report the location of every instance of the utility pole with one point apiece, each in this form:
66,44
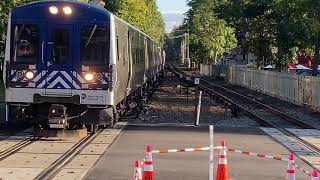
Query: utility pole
182,52
188,50
185,47
316,55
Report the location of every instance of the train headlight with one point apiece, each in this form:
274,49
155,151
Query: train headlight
29,75
67,10
53,10
89,76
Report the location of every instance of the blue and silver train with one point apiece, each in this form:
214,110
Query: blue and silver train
70,64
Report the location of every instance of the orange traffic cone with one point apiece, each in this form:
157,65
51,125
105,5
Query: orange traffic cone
222,171
137,171
291,173
315,175
148,165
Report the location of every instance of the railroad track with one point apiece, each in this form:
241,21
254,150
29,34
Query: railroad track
51,171
264,114
15,148
26,141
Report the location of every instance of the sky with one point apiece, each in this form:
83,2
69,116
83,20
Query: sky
172,6
172,11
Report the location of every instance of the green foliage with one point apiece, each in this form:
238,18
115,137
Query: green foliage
172,46
274,27
210,37
113,5
144,15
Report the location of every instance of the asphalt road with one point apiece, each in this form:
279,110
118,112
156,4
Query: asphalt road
118,161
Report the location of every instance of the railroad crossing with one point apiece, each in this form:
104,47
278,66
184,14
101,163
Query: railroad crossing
96,89
255,145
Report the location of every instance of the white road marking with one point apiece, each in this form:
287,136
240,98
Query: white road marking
294,146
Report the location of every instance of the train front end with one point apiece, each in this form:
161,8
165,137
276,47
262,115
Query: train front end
58,65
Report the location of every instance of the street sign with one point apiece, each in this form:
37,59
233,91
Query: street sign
188,78
197,81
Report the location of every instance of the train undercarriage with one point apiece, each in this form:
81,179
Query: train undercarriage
70,116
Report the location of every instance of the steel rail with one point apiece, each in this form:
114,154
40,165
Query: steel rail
259,119
263,121
51,171
275,111
15,148
271,109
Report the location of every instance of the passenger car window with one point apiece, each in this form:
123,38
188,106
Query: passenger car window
95,45
25,44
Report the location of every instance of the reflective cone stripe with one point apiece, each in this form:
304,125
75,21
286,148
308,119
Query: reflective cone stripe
306,172
315,175
223,159
137,171
148,165
291,173
222,170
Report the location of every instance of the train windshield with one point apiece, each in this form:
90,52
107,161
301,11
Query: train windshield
25,44
95,45
61,46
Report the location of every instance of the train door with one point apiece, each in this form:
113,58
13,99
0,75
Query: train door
146,60
59,60
130,63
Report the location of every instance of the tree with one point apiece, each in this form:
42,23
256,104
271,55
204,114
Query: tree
210,37
251,17
275,27
113,5
144,15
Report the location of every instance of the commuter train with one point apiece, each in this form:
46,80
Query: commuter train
70,64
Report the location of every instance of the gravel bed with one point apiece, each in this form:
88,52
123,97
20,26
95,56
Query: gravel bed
169,106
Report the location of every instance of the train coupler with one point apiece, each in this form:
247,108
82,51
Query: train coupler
58,117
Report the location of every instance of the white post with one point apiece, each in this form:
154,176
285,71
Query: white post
198,110
7,113
185,49
211,163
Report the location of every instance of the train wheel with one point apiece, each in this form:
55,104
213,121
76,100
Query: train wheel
13,114
12,117
93,128
16,119
115,117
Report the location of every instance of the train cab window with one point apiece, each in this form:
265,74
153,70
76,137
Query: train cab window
95,45
61,46
25,44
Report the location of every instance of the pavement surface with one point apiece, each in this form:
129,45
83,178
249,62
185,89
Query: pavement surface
118,161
